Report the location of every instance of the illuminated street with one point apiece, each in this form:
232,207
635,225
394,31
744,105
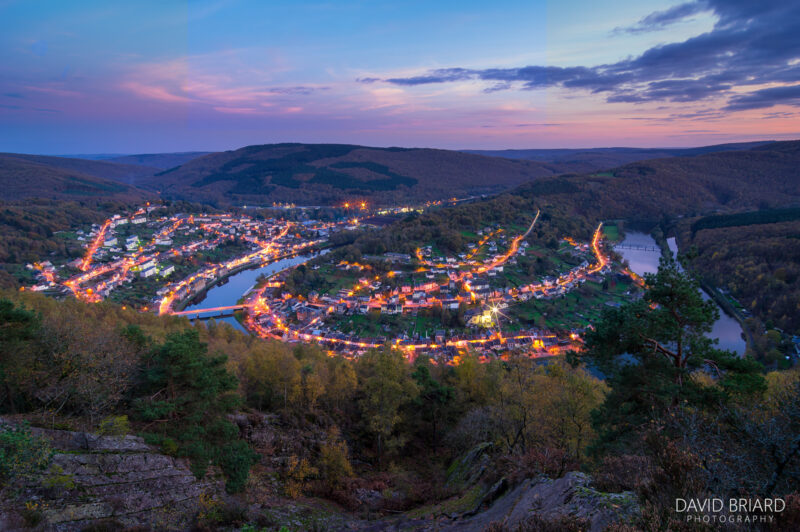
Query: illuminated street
428,282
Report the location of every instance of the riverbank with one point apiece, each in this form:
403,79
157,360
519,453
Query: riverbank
200,296
713,293
728,308
727,329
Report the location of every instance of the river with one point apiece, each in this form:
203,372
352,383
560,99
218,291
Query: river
228,293
726,329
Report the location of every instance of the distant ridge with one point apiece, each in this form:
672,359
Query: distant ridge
24,177
324,174
719,176
583,160
162,161
764,176
123,173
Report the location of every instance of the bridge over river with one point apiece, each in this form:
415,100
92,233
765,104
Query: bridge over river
221,301
208,313
636,247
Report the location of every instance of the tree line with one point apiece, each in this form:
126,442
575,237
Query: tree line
674,416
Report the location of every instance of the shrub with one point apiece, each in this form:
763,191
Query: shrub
623,473
334,464
297,474
169,446
22,454
57,479
32,513
235,459
114,426
553,463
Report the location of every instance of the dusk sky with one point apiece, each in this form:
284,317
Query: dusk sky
135,77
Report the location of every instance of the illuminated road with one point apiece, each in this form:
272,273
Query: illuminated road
273,240
261,318
204,310
93,247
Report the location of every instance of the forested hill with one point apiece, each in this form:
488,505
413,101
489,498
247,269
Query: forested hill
23,177
587,160
321,174
764,176
122,172
161,161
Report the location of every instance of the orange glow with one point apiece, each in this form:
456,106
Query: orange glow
268,315
99,239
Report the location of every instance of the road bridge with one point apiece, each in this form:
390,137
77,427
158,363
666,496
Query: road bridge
653,249
207,313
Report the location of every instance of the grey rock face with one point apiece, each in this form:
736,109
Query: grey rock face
569,496
114,478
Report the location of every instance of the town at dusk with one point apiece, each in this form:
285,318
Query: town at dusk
383,266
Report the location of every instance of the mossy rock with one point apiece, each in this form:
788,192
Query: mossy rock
469,468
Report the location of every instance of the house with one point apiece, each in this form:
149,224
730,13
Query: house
391,309
149,272
166,272
397,257
451,304
110,242
139,220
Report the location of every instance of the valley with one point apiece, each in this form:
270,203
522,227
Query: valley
400,267
428,303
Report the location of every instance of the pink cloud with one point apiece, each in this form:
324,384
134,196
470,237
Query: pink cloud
153,92
238,110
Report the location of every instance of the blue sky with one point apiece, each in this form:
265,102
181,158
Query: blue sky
127,77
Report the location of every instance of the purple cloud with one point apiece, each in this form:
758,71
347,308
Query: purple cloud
661,19
752,43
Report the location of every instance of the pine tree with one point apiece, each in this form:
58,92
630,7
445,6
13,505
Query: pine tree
188,393
649,349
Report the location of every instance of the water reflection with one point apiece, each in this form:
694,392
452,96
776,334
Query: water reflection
726,329
237,285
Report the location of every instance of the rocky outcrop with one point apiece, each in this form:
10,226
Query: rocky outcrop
569,497
116,480
534,504
469,468
65,440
